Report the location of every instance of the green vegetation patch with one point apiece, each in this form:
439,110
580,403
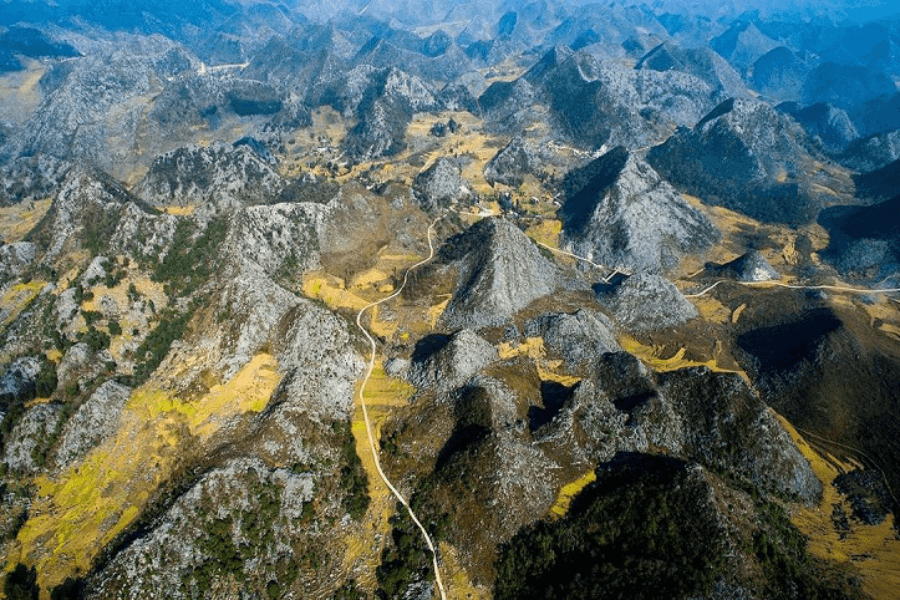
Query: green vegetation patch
156,345
406,561
354,481
642,530
191,259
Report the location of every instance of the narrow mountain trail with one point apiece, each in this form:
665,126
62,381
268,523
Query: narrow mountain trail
369,430
790,286
606,279
860,455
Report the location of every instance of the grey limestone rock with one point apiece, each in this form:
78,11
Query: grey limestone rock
644,301
275,234
714,418
600,104
511,163
221,176
751,266
726,424
28,438
747,156
87,196
441,184
79,364
873,152
447,361
500,272
700,62
742,45
15,259
578,338
174,549
30,178
780,74
621,214
831,127
95,421
19,380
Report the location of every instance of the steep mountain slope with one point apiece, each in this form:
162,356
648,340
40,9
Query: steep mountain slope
780,75
302,300
700,62
621,214
746,156
742,45
219,176
831,127
598,104
499,272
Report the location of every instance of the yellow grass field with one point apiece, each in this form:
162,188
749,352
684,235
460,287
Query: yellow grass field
873,551
82,509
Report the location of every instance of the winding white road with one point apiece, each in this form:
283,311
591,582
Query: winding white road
606,279
834,288
362,400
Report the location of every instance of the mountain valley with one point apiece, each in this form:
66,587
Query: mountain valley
448,299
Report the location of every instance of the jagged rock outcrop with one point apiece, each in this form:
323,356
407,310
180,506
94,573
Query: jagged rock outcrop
644,302
831,127
600,104
437,59
80,365
275,235
19,379
742,45
486,462
87,203
195,100
511,163
808,359
621,214
441,361
96,420
507,105
31,178
577,338
746,156
751,266
15,259
714,418
441,184
188,542
873,152
25,448
700,62
216,177
75,121
727,425
383,101
499,272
